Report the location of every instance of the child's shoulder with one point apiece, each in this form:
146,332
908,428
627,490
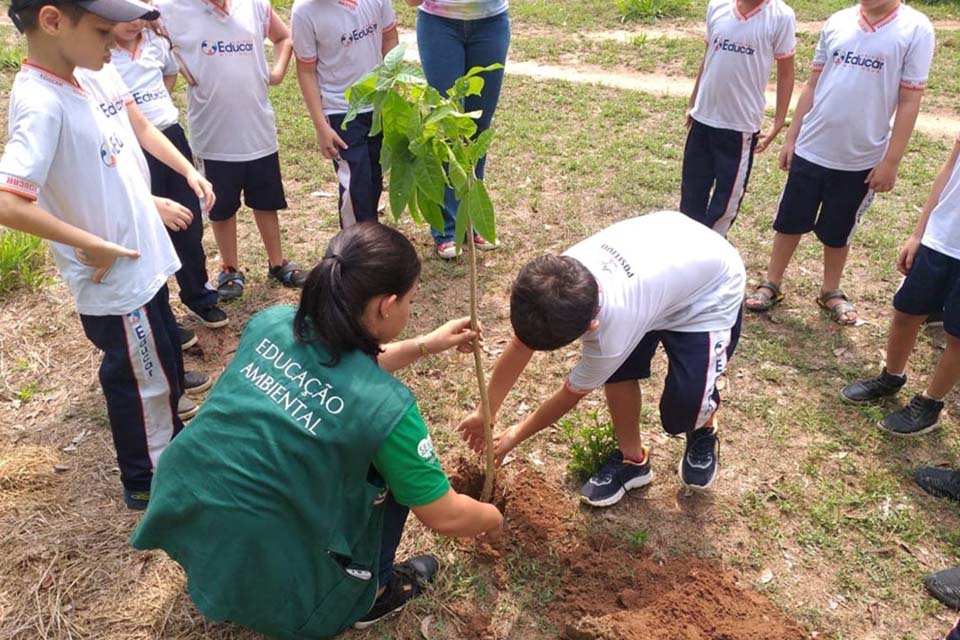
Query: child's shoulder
35,88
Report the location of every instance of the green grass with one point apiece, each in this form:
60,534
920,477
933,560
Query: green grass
22,261
647,10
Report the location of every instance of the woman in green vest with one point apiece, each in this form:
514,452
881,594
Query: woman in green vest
286,498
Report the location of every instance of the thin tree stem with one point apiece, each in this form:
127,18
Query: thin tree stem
491,471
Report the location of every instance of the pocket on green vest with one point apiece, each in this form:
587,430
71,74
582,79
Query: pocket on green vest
345,603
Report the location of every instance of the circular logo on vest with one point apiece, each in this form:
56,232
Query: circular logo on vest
425,448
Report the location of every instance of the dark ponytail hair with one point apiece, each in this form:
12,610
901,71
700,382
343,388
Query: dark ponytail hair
362,261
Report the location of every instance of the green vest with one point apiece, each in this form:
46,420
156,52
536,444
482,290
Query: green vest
268,499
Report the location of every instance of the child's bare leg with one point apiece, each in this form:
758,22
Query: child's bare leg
784,246
834,260
225,233
624,400
268,223
947,373
903,335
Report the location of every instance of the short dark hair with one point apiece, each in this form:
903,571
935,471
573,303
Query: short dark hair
553,301
28,18
362,261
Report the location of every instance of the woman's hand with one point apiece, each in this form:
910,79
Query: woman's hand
456,333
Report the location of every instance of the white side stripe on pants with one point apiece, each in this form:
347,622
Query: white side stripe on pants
716,365
152,383
347,216
722,225
862,209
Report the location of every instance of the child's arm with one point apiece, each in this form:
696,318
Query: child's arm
688,121
912,245
804,104
170,82
157,144
391,39
506,372
884,175
458,515
279,35
24,215
456,333
329,140
414,3
556,406
786,76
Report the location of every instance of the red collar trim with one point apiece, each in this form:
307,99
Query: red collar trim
53,77
221,8
753,12
137,49
871,27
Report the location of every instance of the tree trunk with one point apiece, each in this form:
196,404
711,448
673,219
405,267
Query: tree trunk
491,471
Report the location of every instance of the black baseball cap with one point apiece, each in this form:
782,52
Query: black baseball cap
112,10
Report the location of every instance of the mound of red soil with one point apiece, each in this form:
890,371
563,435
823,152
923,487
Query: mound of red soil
610,592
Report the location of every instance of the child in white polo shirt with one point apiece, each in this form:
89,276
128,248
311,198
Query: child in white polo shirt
726,107
145,62
930,260
336,44
232,124
72,172
872,62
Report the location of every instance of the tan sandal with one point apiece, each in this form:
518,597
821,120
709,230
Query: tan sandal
759,301
839,311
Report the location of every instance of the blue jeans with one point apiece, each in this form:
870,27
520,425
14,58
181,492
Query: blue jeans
448,49
394,520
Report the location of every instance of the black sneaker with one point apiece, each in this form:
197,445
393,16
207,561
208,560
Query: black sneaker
187,338
701,459
617,476
408,581
919,417
935,319
943,483
945,586
883,386
196,382
136,500
212,317
288,274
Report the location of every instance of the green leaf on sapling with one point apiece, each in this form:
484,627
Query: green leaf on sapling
431,211
481,212
428,172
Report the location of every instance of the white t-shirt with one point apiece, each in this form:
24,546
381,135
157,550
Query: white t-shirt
738,61
344,39
863,66
229,112
661,271
943,228
143,71
71,148
464,9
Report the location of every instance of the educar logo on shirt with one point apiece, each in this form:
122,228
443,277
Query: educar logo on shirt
356,35
725,44
854,59
110,149
221,47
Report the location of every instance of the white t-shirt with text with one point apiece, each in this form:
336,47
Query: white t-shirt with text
345,39
72,149
863,66
661,271
143,71
943,228
229,112
740,53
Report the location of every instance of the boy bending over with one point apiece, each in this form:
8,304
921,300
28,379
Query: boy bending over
623,291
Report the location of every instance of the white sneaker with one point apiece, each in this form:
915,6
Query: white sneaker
483,245
447,250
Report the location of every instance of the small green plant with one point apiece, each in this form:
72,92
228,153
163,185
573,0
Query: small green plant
429,144
22,258
645,10
591,440
28,392
637,538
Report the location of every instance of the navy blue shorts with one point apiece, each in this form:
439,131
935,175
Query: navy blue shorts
716,170
828,202
932,285
259,180
358,169
695,363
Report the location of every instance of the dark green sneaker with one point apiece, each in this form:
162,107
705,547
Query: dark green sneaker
136,500
920,416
